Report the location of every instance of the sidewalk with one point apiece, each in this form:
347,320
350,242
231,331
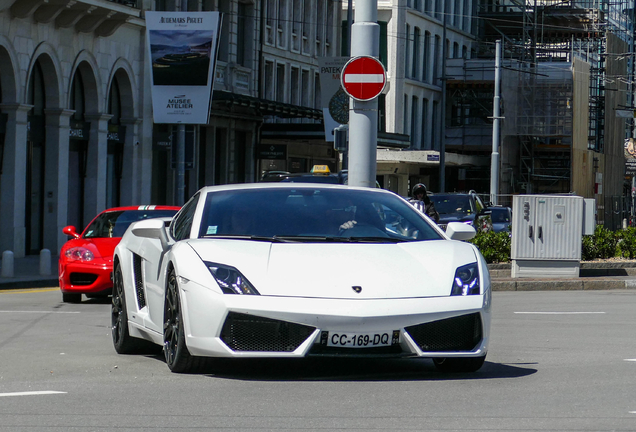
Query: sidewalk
593,276
26,272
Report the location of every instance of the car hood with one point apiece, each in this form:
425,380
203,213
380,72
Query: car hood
318,270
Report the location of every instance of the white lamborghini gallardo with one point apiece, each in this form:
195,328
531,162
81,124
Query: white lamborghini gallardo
297,270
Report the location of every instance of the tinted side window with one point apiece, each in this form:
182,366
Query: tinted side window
182,224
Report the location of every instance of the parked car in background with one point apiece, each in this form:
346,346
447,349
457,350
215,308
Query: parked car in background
317,270
501,218
464,207
86,261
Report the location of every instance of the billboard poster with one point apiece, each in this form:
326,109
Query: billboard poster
630,156
182,48
334,101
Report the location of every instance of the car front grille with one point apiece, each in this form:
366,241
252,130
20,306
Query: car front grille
82,279
242,332
461,333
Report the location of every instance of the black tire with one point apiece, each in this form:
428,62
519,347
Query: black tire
459,364
122,341
178,358
71,298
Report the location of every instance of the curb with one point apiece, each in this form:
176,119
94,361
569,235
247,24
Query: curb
42,283
562,285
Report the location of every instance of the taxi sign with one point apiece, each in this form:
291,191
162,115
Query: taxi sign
320,169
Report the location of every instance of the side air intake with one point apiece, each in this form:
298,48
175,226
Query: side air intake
139,281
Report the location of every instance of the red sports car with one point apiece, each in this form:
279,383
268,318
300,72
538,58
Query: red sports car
86,261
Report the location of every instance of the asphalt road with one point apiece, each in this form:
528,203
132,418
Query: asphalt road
558,361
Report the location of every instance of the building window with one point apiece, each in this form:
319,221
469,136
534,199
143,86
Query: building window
280,82
317,101
436,127
224,43
244,30
416,54
424,134
405,118
415,142
320,27
295,86
425,58
297,19
270,16
436,56
455,50
268,82
304,95
281,24
306,26
407,52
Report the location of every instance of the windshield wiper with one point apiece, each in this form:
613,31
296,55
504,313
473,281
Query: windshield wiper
377,239
274,239
317,239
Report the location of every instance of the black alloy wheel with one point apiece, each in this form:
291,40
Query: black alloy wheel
459,364
122,341
178,358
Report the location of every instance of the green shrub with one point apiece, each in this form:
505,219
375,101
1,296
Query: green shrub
588,248
605,242
495,247
627,242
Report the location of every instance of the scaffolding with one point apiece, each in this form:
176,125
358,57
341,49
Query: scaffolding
544,37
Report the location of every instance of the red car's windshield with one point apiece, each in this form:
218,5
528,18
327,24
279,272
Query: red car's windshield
115,224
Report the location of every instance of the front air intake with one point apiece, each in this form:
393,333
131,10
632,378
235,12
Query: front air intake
242,332
461,333
81,279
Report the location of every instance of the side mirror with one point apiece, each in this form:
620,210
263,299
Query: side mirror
460,231
70,231
152,229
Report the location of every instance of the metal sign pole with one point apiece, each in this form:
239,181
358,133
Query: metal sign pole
494,167
363,115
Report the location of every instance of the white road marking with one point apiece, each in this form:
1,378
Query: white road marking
364,78
631,360
40,312
632,412
32,393
559,313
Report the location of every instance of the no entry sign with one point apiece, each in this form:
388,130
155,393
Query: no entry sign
363,78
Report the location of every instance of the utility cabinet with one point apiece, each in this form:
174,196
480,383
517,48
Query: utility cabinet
547,232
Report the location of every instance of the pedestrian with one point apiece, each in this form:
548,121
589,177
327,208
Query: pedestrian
421,201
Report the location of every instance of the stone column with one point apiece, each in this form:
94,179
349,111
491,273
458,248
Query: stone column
13,183
131,175
56,180
96,164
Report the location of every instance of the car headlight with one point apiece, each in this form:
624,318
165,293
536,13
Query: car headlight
79,254
466,280
230,280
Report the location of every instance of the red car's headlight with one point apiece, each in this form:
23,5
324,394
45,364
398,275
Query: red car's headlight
79,254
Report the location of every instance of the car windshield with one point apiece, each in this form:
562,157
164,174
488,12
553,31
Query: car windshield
115,223
448,204
313,214
499,215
